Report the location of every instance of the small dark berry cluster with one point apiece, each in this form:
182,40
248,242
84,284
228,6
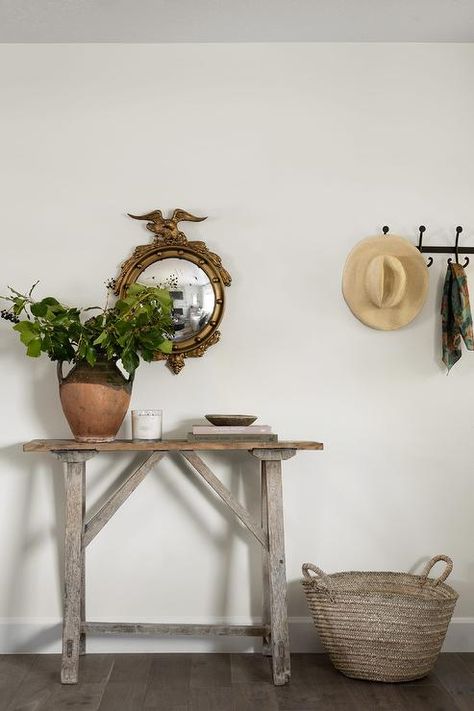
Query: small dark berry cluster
9,316
110,284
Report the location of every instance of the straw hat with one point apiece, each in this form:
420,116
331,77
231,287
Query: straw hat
385,282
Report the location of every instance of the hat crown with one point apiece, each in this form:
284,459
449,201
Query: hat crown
385,281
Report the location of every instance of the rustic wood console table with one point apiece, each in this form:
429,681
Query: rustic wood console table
79,532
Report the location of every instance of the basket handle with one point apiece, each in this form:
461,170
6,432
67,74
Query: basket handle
320,578
447,571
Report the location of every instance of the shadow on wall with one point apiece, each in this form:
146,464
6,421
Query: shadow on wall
437,322
244,485
27,537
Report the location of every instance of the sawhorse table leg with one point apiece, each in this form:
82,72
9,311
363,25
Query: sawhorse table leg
74,563
266,640
274,567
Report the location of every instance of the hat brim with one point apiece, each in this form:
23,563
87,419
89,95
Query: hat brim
354,290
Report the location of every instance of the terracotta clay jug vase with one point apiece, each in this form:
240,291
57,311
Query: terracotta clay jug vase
95,400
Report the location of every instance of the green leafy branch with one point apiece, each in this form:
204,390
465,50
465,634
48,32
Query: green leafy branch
138,325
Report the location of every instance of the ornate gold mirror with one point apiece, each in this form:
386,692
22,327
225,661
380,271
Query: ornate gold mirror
193,275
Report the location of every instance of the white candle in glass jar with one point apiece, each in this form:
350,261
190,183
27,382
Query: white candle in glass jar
147,424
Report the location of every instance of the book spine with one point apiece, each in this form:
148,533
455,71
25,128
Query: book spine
221,429
233,438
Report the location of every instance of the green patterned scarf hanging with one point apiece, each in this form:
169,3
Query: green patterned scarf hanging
456,315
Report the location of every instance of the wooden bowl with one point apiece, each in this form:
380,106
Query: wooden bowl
231,420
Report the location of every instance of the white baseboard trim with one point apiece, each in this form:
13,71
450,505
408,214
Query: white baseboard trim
43,636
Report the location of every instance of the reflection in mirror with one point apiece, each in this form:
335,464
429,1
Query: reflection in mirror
191,291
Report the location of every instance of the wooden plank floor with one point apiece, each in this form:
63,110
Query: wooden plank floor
222,682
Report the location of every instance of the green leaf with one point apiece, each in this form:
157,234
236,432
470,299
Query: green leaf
75,331
39,309
91,356
135,289
27,330
61,320
121,306
74,314
126,339
34,348
18,305
46,344
142,319
163,296
50,301
130,361
155,335
23,326
58,352
101,338
166,346
147,355
121,327
82,350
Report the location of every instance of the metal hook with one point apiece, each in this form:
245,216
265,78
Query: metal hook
422,229
456,249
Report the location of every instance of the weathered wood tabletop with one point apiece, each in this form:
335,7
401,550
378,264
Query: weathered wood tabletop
165,445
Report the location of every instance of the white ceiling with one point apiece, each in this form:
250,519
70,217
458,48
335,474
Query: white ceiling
236,21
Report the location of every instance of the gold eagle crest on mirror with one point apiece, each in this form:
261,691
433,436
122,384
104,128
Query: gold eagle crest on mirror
192,274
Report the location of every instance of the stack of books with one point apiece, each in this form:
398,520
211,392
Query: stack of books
261,433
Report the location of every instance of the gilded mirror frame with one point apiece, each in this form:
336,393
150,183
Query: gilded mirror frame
170,242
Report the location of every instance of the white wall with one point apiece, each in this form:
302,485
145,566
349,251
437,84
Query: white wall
295,152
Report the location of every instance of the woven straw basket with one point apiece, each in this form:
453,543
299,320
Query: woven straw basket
381,626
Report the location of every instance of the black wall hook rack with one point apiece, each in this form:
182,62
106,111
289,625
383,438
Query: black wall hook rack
444,249
439,249
420,245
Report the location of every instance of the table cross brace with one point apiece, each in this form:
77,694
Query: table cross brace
112,505
105,513
201,467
